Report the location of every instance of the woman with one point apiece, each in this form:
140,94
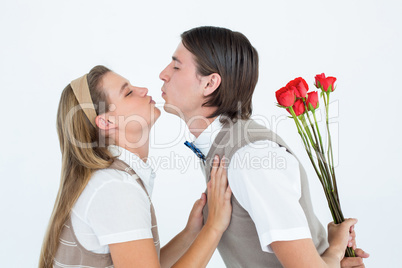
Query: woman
103,215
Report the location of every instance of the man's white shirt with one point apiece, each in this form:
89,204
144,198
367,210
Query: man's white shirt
265,179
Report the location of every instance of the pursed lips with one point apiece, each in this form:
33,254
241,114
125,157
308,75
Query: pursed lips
151,100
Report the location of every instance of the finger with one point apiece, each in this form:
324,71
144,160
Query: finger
221,167
220,180
352,243
349,223
228,193
215,165
224,177
351,262
330,224
352,238
352,232
199,205
203,198
361,253
209,187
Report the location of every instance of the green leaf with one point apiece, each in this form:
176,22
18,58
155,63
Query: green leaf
280,106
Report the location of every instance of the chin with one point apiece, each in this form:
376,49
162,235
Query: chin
172,109
155,116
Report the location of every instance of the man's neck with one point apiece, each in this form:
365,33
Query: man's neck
197,125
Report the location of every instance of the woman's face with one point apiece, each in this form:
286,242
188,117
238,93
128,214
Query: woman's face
131,110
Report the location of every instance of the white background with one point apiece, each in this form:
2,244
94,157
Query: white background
46,44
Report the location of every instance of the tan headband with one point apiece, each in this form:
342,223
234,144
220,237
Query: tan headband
81,92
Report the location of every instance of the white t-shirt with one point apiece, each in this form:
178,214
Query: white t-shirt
113,208
265,179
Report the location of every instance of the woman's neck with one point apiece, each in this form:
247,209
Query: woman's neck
141,152
140,148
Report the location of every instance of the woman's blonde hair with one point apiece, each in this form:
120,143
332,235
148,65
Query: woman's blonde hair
83,150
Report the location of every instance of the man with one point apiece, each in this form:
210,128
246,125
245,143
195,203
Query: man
209,84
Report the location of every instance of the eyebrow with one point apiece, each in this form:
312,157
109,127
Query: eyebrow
176,59
123,87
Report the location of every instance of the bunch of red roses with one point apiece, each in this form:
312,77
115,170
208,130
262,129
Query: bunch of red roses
296,99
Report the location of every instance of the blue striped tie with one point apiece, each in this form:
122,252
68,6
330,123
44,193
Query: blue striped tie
195,150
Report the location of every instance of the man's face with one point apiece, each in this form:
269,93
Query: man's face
182,89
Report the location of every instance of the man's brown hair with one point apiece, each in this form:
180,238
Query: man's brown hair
231,55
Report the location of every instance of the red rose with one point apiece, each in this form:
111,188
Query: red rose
325,83
312,99
318,78
300,87
285,97
298,107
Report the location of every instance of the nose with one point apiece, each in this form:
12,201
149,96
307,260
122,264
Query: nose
142,91
164,75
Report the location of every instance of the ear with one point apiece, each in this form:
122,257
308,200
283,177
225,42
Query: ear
212,82
105,122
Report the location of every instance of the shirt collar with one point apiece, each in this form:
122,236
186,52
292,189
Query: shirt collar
207,137
143,169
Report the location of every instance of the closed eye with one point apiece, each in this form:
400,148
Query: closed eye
129,93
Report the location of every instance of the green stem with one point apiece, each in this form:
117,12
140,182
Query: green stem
323,162
302,135
325,174
312,127
335,197
315,167
318,131
330,152
300,130
339,216
350,252
320,155
306,128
